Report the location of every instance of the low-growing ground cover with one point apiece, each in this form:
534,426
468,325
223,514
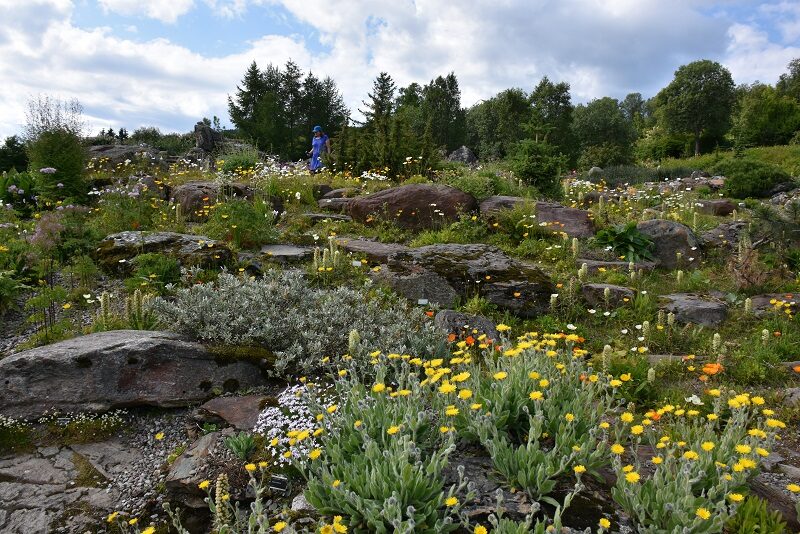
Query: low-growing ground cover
650,384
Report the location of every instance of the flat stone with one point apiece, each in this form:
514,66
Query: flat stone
791,397
239,412
110,458
690,308
559,218
790,471
724,236
344,192
373,251
286,253
189,469
320,217
301,505
337,205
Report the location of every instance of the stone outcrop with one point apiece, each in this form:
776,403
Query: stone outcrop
512,285
559,218
689,308
116,251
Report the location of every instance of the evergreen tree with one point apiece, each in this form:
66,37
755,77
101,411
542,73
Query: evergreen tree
789,83
551,115
243,109
441,105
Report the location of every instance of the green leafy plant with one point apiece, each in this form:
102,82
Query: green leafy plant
242,445
18,190
154,272
753,516
749,178
10,290
56,162
245,223
626,240
539,165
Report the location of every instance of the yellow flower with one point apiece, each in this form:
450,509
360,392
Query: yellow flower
632,477
604,523
451,501
394,429
794,488
263,465
502,327
475,406
743,449
67,306
604,425
707,446
712,417
690,455
112,516
204,484
378,388
535,395
332,408
569,417
250,467
714,392
625,377
702,513
133,521
543,383
736,497
287,454
280,525
762,452
358,424
637,429
500,375
657,460
480,529
326,529
460,377
343,372
314,454
579,469
149,530
617,448
446,388
160,436
404,392
627,417
464,394
451,411
615,383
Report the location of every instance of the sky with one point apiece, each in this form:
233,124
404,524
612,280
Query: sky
169,63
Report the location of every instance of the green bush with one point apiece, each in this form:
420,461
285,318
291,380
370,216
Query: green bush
246,224
749,178
10,290
753,516
539,165
604,155
242,159
19,190
62,151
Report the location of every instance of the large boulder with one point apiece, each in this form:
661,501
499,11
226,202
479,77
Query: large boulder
117,250
510,284
463,155
416,206
719,207
724,236
417,285
196,198
671,238
559,218
689,308
117,369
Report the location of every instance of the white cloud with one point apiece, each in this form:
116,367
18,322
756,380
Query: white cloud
601,47
166,11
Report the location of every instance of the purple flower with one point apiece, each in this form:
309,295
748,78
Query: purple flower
47,170
12,188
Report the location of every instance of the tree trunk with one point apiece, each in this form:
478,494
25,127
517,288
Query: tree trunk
697,142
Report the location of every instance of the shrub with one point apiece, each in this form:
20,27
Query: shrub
539,165
10,290
604,155
243,158
753,516
12,155
62,151
19,190
296,322
241,444
749,178
246,224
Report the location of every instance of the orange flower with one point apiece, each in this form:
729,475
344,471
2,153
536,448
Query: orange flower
796,368
429,313
451,338
776,334
713,368
703,378
470,340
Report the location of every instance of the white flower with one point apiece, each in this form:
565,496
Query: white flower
297,195
571,327
624,331
592,311
694,399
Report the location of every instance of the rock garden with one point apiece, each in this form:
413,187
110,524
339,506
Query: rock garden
262,349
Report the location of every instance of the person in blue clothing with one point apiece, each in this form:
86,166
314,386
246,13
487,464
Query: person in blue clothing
320,144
